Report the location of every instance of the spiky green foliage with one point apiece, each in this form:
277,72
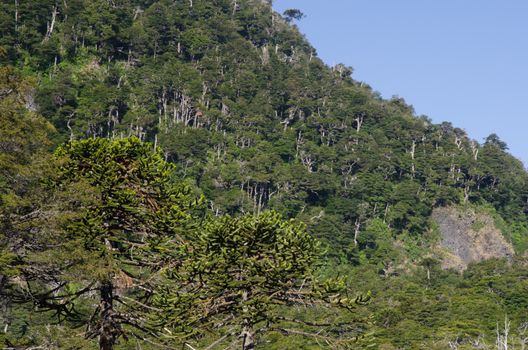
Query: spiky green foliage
112,220
243,277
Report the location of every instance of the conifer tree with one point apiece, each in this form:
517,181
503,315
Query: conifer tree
243,275
113,219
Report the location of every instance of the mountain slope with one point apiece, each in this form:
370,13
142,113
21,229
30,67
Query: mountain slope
237,97
239,100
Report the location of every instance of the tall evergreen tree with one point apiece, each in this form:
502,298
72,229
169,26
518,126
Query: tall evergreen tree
243,277
113,219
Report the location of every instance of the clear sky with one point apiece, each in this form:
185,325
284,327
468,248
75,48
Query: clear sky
463,61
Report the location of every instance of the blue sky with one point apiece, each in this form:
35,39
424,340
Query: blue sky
463,61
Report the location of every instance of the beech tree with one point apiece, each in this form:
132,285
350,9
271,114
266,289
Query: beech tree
113,219
293,14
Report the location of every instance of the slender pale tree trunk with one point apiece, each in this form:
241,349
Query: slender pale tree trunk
16,15
248,339
4,306
357,227
51,24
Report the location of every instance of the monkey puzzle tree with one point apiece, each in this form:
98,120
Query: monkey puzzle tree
243,276
113,219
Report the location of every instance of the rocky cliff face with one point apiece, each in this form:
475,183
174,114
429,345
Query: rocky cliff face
469,236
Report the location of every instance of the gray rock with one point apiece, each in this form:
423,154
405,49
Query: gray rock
468,236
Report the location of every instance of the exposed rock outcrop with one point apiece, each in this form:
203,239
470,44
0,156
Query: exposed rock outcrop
469,236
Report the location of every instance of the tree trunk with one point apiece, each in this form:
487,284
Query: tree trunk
16,15
109,330
235,5
4,306
248,339
357,227
51,25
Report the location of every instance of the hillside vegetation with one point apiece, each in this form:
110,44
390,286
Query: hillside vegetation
245,119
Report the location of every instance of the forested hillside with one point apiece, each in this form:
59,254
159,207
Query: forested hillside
234,97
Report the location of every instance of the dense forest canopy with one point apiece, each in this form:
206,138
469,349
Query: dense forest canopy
203,115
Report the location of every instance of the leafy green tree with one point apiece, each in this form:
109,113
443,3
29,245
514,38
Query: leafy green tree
429,263
293,14
24,134
493,139
24,142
